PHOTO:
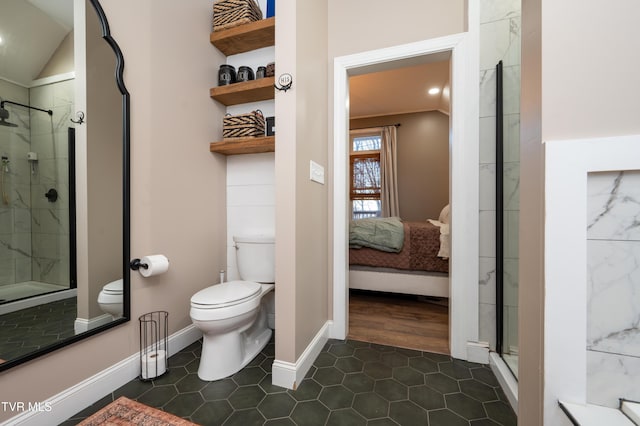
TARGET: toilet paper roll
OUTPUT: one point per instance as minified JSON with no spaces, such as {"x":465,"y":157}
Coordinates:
{"x":154,"y":364}
{"x":156,"y":264}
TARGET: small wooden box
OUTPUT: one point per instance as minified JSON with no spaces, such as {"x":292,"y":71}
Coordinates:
{"x":243,"y":125}
{"x":231,"y":13}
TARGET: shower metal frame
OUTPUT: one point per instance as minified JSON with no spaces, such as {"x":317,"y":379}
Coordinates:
{"x":48,"y":111}
{"x":499,"y":212}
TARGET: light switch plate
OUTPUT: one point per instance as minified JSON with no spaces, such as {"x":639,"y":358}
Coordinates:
{"x":316,"y":172}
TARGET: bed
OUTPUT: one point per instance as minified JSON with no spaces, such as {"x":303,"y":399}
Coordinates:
{"x":418,"y":265}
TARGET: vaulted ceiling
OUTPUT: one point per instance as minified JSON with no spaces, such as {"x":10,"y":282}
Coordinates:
{"x":31,"y":31}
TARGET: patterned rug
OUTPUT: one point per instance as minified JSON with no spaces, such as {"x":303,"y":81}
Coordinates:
{"x":124,"y":411}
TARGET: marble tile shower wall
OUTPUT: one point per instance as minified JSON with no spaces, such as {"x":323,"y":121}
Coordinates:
{"x":15,"y":217}
{"x":499,"y":40}
{"x":613,"y":287}
{"x":34,"y":233}
{"x":50,"y":221}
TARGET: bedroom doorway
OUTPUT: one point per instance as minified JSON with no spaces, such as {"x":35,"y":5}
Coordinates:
{"x":463,"y":192}
{"x":412,"y":103}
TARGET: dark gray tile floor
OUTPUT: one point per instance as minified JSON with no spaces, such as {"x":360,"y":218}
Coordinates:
{"x":26,"y":330}
{"x":350,"y":383}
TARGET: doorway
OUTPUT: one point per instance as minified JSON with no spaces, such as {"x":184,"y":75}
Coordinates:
{"x":463,"y":185}
{"x":413,"y":104}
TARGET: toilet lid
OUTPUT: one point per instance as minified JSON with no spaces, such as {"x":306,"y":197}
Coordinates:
{"x":225,"y":294}
{"x":114,"y":287}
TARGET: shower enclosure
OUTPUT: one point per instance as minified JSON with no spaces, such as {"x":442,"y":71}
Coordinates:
{"x":507,"y":220}
{"x":36,"y":229}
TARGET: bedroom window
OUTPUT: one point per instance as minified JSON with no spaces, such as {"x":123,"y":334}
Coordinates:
{"x":364,"y":157}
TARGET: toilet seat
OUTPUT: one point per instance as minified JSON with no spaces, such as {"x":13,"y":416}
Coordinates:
{"x":226,"y":294}
{"x":111,"y":293}
{"x":113,"y":288}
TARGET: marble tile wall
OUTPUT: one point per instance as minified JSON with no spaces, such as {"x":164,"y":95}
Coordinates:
{"x":15,"y":215}
{"x":50,"y":221}
{"x":34,"y":234}
{"x":613,"y":292}
{"x":499,"y":40}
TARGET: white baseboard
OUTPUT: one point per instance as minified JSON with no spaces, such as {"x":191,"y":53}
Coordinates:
{"x":289,"y":375}
{"x":478,"y":352}
{"x":80,"y":396}
{"x":81,"y":324}
{"x":505,"y":378}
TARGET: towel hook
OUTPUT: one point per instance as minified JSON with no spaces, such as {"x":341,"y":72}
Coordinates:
{"x":80,"y":119}
{"x":285,"y":81}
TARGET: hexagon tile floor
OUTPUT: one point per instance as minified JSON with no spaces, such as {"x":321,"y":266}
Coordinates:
{"x":350,"y":383}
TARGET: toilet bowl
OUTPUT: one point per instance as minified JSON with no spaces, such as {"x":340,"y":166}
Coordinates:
{"x":110,"y":299}
{"x":233,"y":315}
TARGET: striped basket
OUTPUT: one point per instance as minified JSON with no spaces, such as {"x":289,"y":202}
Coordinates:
{"x":231,"y":13}
{"x":243,"y":125}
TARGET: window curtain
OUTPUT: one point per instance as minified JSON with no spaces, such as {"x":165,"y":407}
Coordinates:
{"x":389,"y":173}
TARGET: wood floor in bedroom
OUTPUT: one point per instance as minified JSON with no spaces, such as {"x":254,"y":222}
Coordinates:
{"x":403,"y":321}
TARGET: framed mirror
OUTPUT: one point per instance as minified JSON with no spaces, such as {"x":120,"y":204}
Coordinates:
{"x":64,"y":177}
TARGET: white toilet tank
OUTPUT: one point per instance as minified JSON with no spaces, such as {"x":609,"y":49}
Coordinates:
{"x":255,"y":255}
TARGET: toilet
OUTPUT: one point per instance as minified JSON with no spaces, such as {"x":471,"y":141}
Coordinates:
{"x":110,"y":299}
{"x":233,"y":316}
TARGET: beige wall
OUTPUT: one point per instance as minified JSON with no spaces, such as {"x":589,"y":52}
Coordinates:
{"x":531,"y":242}
{"x":301,"y":205}
{"x":312,"y":236}
{"x":104,"y":168}
{"x":361,"y":25}
{"x":589,"y":72}
{"x":177,"y":192}
{"x":423,"y":161}
{"x":577,"y":82}
{"x":61,"y":61}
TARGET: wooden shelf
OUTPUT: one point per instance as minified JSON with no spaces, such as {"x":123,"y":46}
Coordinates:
{"x":247,"y":91}
{"x":246,"y":37}
{"x":244,"y":145}
{"x":240,"y":39}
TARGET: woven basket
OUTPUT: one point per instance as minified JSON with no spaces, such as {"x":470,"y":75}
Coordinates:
{"x":231,"y":13}
{"x":243,"y":125}
{"x":271,"y":69}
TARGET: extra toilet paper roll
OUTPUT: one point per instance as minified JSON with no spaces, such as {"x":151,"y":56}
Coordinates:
{"x":154,"y":364}
{"x":156,"y":264}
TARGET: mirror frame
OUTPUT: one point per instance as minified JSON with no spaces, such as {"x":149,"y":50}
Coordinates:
{"x":126,"y":208}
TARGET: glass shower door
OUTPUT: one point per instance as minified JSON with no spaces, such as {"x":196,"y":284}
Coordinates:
{"x":507,"y":222}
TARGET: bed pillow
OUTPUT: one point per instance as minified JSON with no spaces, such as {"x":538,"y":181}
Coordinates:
{"x":444,"y":214}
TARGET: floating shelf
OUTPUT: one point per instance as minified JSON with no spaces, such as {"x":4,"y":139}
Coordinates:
{"x":247,"y":91}
{"x":244,"y":145}
{"x":246,"y":37}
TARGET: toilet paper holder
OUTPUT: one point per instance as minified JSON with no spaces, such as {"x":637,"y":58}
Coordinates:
{"x":151,"y":265}
{"x":154,"y":345}
{"x":136,"y":264}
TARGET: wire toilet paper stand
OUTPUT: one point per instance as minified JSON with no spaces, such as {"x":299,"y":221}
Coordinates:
{"x":154,"y":352}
